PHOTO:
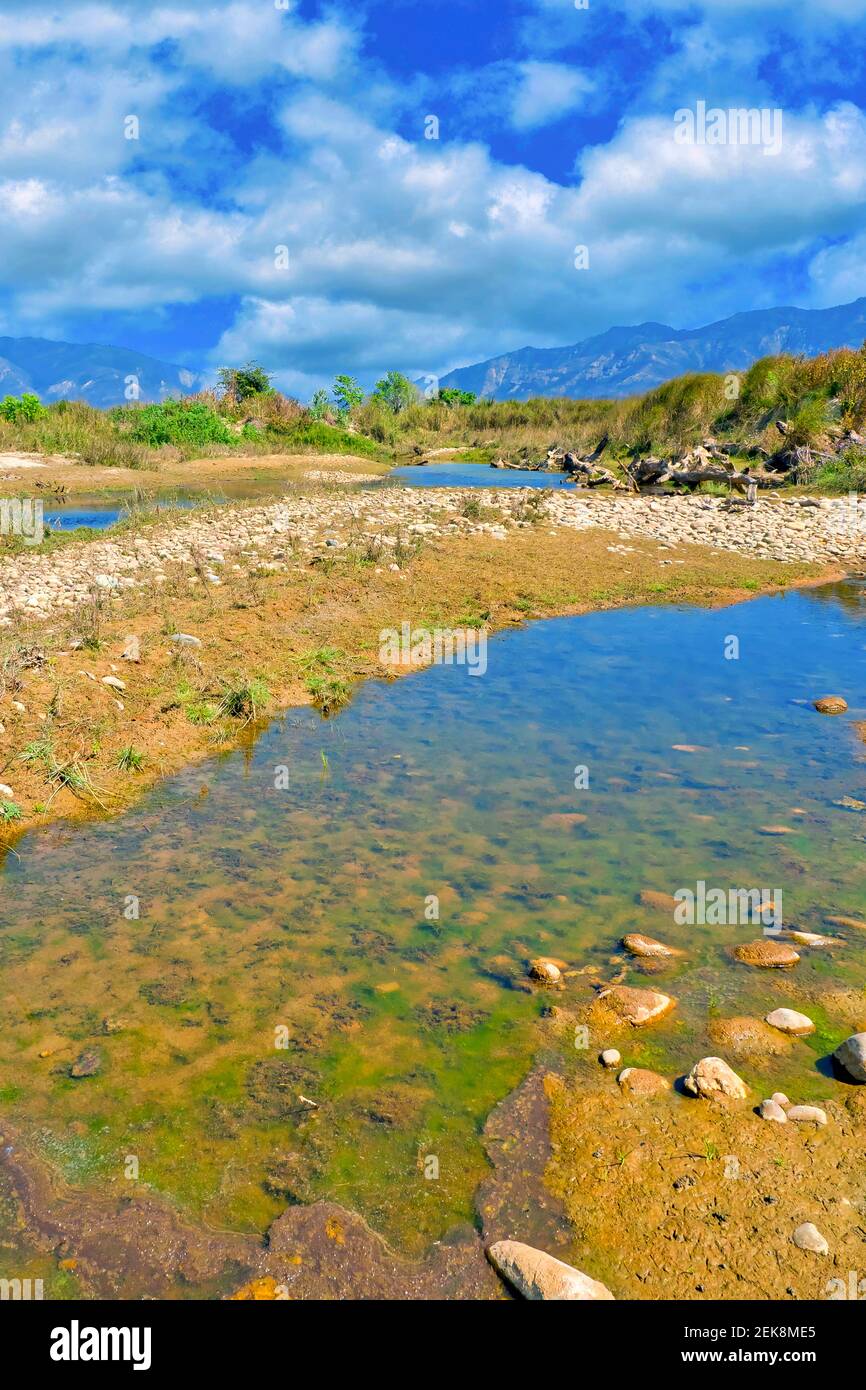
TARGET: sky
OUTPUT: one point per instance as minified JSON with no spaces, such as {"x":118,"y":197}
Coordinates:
{"x":420,"y":184}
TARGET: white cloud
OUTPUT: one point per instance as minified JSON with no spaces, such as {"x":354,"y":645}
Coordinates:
{"x":547,"y":91}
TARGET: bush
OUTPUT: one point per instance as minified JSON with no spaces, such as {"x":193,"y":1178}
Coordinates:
{"x":240,"y":383}
{"x":175,"y":422}
{"x":22,"y":410}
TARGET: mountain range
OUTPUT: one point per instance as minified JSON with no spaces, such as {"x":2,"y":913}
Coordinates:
{"x":619,"y":362}
{"x":88,"y":372}
{"x":627,"y":361}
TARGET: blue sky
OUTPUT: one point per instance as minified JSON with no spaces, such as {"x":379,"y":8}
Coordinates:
{"x":281,"y":200}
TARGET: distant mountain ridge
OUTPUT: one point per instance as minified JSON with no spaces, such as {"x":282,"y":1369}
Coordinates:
{"x":88,"y":372}
{"x":627,"y":361}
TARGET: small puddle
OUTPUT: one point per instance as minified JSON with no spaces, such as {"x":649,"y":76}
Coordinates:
{"x":457,"y":474}
{"x":315,"y":965}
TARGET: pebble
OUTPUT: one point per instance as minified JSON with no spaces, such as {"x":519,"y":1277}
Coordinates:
{"x":6,"y":790}
{"x":610,"y":1057}
{"x":781,"y":1099}
{"x":712,"y":1077}
{"x":114,"y":682}
{"x":545,"y":970}
{"x":831,"y":704}
{"x":772,"y":1110}
{"x":808,"y":1237}
{"x":639,"y":945}
{"x":185,"y":639}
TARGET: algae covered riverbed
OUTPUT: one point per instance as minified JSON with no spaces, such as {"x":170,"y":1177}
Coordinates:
{"x":299,"y":969}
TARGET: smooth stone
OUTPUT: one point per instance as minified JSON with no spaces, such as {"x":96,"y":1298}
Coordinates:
{"x":539,"y":1276}
{"x":781,"y":1099}
{"x":808,"y":1237}
{"x":639,"y":1082}
{"x":114,"y":682}
{"x":809,"y":938}
{"x":807,"y":1115}
{"x":789,"y":1021}
{"x":831,"y":704}
{"x":185,"y":639}
{"x":747,"y":1039}
{"x":640,"y":945}
{"x":636,"y":1006}
{"x":851,"y":1055}
{"x":663,"y":902}
{"x":545,"y":970}
{"x":772,"y":1110}
{"x":6,"y":790}
{"x":766,"y":954}
{"x":713,"y":1077}
{"x":856,"y":923}
{"x":610,"y":1057}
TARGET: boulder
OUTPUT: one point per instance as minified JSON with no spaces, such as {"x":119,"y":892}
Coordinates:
{"x":712,"y":1077}
{"x":639,"y":945}
{"x":831,"y":704}
{"x":638,"y":1082}
{"x":789,"y":1021}
{"x":851,"y":1056}
{"x":538,"y":1276}
{"x":766,"y":954}
{"x":636,"y":1006}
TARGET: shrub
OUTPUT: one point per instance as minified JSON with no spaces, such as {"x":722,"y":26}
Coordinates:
{"x":22,"y":410}
{"x":240,"y":383}
{"x":184,"y":422}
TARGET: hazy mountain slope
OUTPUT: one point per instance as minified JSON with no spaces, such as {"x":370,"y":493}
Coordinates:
{"x":624,"y":361}
{"x":87,"y":372}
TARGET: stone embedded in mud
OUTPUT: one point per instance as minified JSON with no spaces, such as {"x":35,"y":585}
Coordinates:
{"x":851,"y":1055}
{"x":766,"y":954}
{"x":772,"y":1110}
{"x":747,"y":1039}
{"x":610,"y":1057}
{"x":639,"y":1082}
{"x":808,"y":1237}
{"x":539,"y":1276}
{"x":545,"y":970}
{"x":856,"y":923}
{"x":712,"y":1077}
{"x":88,"y":1063}
{"x":647,"y":946}
{"x":662,"y":902}
{"x":636,"y":1006}
{"x":807,"y":1115}
{"x":831,"y":704}
{"x":809,"y":938}
{"x":789,"y":1021}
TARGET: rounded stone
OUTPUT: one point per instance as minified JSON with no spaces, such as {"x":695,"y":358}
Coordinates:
{"x":610,"y":1057}
{"x":851,"y":1056}
{"x":639,"y":1082}
{"x":831,"y":704}
{"x":766,"y":954}
{"x":545,"y":970}
{"x":808,"y":1237}
{"x":789,"y":1021}
{"x":712,"y":1077}
{"x":636,"y":1006}
{"x":639,"y":945}
{"x":807,"y":1115}
{"x":772,"y":1110}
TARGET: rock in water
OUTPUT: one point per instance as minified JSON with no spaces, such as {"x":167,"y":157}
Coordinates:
{"x":662,"y":902}
{"x":545,"y":970}
{"x":640,"y":945}
{"x":851,"y":1054}
{"x":766,"y":954}
{"x":831,"y":704}
{"x":636,"y":1006}
{"x":712,"y":1077}
{"x":808,"y":1237}
{"x":789,"y":1021}
{"x":537,"y":1276}
{"x":638,"y":1082}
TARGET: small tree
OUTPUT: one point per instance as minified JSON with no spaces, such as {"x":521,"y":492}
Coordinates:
{"x":239,"y":383}
{"x":347,"y":393}
{"x":452,"y":395}
{"x":395,"y":391}
{"x":319,"y":404}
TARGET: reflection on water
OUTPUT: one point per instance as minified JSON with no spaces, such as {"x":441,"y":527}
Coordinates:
{"x":456,"y":474}
{"x":286,"y":1015}
{"x":98,"y":511}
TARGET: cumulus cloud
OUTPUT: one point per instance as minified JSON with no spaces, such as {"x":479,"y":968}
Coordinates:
{"x":547,"y":91}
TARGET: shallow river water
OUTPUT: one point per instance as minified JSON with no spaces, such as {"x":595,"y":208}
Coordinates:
{"x":259,"y":946}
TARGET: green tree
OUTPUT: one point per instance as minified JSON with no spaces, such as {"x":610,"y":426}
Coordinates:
{"x":347,"y":393}
{"x":452,"y":395}
{"x":395,"y":391}
{"x":239,"y":383}
{"x":23,"y":410}
{"x":319,"y":404}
